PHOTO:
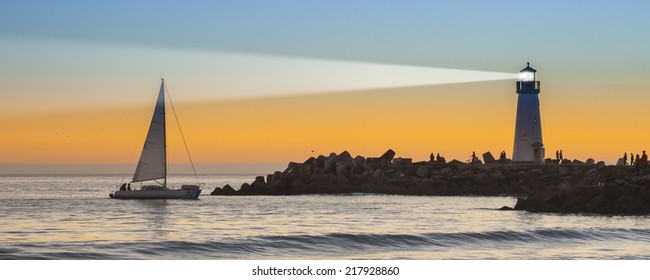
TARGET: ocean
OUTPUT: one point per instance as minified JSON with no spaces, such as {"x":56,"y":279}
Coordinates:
{"x":72,"y":217}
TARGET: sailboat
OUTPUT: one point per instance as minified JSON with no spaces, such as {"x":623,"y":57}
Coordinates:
{"x":152,"y":165}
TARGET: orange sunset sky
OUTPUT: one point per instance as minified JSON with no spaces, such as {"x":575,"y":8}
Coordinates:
{"x":453,"y":120}
{"x":82,"y":94}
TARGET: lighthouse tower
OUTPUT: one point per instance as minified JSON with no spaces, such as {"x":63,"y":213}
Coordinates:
{"x":529,"y":147}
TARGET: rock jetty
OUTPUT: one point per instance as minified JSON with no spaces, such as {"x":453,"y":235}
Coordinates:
{"x":607,"y":190}
{"x":341,"y":173}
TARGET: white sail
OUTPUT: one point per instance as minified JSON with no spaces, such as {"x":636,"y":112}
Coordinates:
{"x":153,"y":160}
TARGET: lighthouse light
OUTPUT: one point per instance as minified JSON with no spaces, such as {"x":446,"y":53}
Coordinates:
{"x":527,"y":76}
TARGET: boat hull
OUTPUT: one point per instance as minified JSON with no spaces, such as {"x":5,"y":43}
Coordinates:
{"x":157,"y":194}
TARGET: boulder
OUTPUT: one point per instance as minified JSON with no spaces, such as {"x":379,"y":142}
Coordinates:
{"x":388,"y":155}
{"x":378,"y":175}
{"x":340,"y":169}
{"x":310,"y":160}
{"x":245,"y":187}
{"x":590,"y":161}
{"x":293,"y":167}
{"x":536,"y":172}
{"x":601,"y":204}
{"x":297,"y":183}
{"x":217,"y":191}
{"x":227,"y":190}
{"x":563,"y":170}
{"x":320,"y":161}
{"x":456,"y":163}
{"x":545,"y":201}
{"x":356,"y":180}
{"x":423,"y":172}
{"x":488,"y":158}
{"x":613,"y":191}
{"x":582,"y":192}
{"x":498,"y":175}
{"x":632,"y":205}
{"x":521,"y":204}
{"x":620,"y":182}
{"x":259,"y":182}
{"x":632,"y":190}
{"x":329,"y":164}
{"x":360,"y":161}
{"x":342,"y":181}
{"x":577,"y":197}
{"x":345,"y":155}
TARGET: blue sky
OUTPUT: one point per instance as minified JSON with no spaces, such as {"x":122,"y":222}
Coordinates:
{"x":482,"y":35}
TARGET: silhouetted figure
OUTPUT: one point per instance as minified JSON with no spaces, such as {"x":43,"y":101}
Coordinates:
{"x":561,"y":156}
{"x":637,"y":166}
{"x":644,"y":164}
{"x":502,"y":157}
{"x":474,"y":158}
{"x":437,"y":156}
{"x":631,"y":159}
{"x":432,"y":158}
{"x":624,"y":158}
{"x":557,"y":155}
{"x":128,"y":187}
{"x":123,"y":187}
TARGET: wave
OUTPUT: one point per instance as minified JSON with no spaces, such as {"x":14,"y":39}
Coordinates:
{"x":335,"y":244}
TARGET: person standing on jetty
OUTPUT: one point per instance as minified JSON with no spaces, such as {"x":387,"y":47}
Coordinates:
{"x":637,"y":164}
{"x":624,"y":158}
{"x":631,"y":159}
{"x":644,"y":163}
{"x":557,"y":156}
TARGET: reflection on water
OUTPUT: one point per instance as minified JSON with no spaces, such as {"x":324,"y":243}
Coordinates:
{"x":71,"y":217}
{"x":155,"y":221}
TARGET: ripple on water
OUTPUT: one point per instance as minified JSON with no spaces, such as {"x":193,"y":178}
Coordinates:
{"x":71,"y":218}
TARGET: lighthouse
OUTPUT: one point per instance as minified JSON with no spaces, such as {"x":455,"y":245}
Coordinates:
{"x":528,"y":147}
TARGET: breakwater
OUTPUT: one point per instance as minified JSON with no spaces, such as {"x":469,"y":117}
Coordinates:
{"x":567,"y":186}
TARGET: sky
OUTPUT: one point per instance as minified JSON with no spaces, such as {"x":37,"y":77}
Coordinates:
{"x":257,"y":84}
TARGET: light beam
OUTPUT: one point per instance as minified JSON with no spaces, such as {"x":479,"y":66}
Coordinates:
{"x":73,"y":75}
{"x":255,"y":76}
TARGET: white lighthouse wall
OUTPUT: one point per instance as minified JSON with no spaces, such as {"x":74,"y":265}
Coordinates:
{"x":528,"y":128}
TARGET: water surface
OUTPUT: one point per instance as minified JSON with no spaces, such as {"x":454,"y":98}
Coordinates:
{"x":71,"y":217}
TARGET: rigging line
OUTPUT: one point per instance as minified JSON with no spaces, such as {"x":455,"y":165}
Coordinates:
{"x":181,"y":131}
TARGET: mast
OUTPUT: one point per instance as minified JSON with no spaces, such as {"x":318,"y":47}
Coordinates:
{"x":162,"y":90}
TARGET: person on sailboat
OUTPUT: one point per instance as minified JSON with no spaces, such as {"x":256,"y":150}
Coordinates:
{"x":123,"y":187}
{"x":128,"y":187}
